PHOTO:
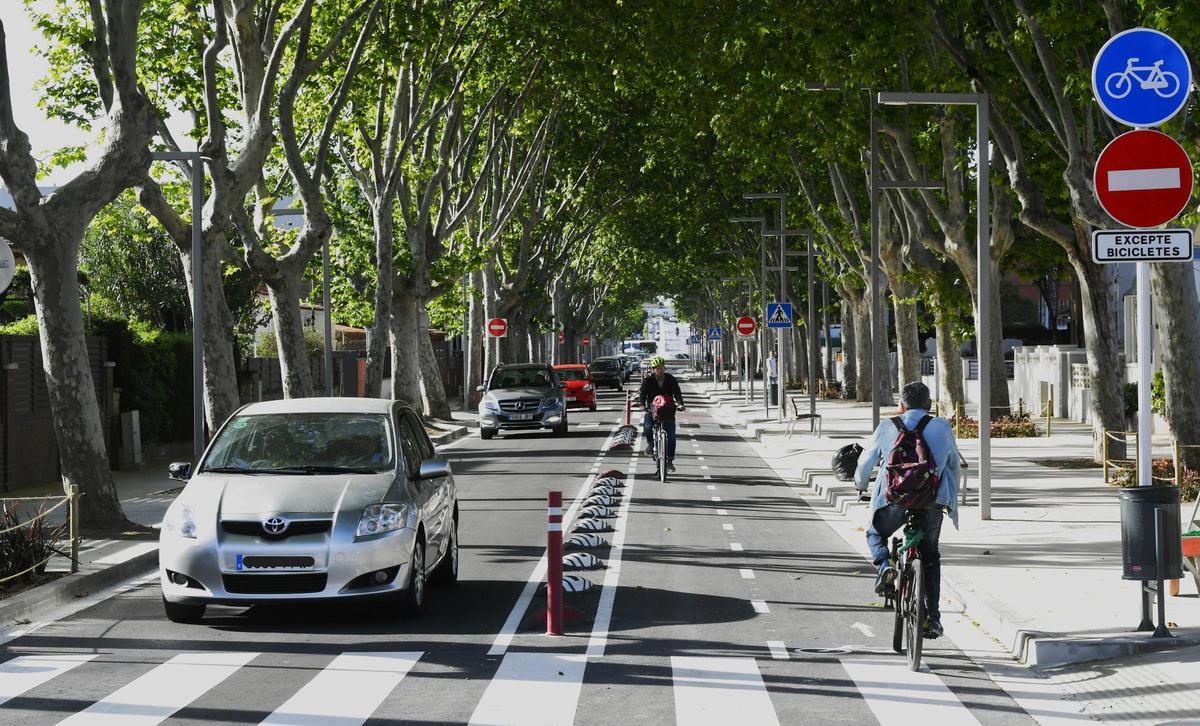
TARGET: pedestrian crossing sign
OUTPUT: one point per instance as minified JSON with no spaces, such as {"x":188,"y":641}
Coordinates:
{"x":693,"y":340}
{"x":779,"y":315}
{"x":714,"y":333}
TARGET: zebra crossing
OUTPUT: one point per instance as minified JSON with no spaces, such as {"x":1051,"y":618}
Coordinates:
{"x":527,"y":688}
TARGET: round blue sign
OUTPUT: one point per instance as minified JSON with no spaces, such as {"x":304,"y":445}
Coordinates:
{"x":1141,"y":77}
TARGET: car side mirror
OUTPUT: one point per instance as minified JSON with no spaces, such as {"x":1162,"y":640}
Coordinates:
{"x":481,"y":389}
{"x":563,"y":384}
{"x":435,"y":467}
{"x":180,"y":471}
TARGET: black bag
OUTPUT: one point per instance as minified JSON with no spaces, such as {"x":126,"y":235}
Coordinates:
{"x":845,"y":461}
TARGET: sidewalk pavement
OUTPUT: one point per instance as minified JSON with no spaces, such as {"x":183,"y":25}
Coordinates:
{"x":1042,"y":576}
{"x":145,"y":495}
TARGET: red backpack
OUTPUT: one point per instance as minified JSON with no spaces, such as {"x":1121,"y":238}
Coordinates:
{"x":912,"y":477}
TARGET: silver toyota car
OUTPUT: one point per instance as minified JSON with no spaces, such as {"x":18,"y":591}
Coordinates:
{"x":311,"y":498}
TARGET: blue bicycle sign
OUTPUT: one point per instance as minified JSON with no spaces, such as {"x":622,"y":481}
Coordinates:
{"x":1141,"y":77}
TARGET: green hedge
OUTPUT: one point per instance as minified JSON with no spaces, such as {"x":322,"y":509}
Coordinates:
{"x":154,"y":374}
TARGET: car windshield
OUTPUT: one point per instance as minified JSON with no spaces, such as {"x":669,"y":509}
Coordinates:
{"x":303,"y":443}
{"x":604,"y":365}
{"x":571,"y":374}
{"x":522,"y":378}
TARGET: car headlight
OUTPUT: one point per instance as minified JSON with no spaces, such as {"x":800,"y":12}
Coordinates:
{"x":380,"y":518}
{"x":491,"y":404}
{"x":587,"y":387}
{"x":551,"y":402}
{"x":181,"y":521}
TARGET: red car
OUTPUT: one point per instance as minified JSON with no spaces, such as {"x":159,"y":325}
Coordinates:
{"x":581,"y":392}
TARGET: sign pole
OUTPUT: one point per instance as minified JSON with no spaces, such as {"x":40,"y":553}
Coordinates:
{"x":1144,"y":353}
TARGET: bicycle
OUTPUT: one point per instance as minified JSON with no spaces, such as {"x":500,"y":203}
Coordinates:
{"x":1119,"y":84}
{"x":660,"y":450}
{"x":908,"y":597}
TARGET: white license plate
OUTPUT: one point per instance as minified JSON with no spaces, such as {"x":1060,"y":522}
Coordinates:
{"x":570,"y":398}
{"x":522,"y":416}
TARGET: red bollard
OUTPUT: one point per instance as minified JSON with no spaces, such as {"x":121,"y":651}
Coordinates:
{"x":554,"y":594}
{"x":628,"y":409}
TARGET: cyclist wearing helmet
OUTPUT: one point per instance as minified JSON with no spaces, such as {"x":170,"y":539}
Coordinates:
{"x":659,"y":383}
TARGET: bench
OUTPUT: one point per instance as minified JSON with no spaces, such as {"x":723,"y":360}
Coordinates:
{"x":814,"y":419}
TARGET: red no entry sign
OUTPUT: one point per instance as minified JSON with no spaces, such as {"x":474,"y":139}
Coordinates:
{"x":746,"y":325}
{"x":1143,"y":179}
{"x":497,"y":327}
{"x":587,"y":340}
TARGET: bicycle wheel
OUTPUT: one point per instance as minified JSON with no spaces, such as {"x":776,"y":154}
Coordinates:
{"x":661,"y":449}
{"x":898,"y":604}
{"x":1118,"y":85}
{"x":915,"y":615}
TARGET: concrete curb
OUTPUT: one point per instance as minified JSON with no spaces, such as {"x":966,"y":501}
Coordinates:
{"x":72,"y":587}
{"x":1036,"y":649}
{"x":453,"y":434}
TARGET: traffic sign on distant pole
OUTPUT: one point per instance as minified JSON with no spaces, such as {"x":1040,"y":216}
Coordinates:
{"x":1143,"y":179}
{"x":746,"y":325}
{"x":497,"y":327}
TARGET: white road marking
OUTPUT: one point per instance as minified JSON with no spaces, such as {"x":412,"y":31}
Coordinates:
{"x":722,"y":513}
{"x":26,"y":672}
{"x":612,"y":575}
{"x":505,"y":636}
{"x":707,"y":476}
{"x":760,"y":606}
{"x":347,"y":691}
{"x":1136,"y":180}
{"x":712,"y":487}
{"x":699,"y":458}
{"x":778,"y":650}
{"x":897,"y":695}
{"x":864,"y":629}
{"x":703,"y":467}
{"x":720,"y":690}
{"x":727,"y":526}
{"x":153,"y":697}
{"x":736,"y":546}
{"x":127,"y":553}
{"x":715,"y":499}
{"x":747,"y":574}
{"x":532,"y":688}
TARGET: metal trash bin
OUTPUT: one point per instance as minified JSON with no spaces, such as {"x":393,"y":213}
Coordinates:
{"x":1137,"y":533}
{"x":774,"y":388}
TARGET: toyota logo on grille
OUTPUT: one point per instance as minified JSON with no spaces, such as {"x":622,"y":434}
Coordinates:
{"x":519,"y":405}
{"x":275,"y":525}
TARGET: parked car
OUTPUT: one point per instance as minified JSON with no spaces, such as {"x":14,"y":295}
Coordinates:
{"x":678,"y":362}
{"x":520,"y":398}
{"x":609,"y":371}
{"x":310,"y":498}
{"x":580,"y":389}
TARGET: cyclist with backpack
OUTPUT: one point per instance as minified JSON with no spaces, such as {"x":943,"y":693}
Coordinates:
{"x":921,"y":469}
{"x":660,"y":384}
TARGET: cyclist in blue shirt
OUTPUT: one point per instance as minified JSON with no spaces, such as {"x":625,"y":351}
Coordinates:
{"x":886,"y":518}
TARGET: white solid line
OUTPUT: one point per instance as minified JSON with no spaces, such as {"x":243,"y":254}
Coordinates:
{"x":727,"y":526}
{"x":897,"y":695}
{"x":532,"y":688}
{"x":778,"y":650}
{"x":612,"y":575}
{"x":747,"y":574}
{"x":760,"y":606}
{"x":347,"y":691}
{"x":736,"y":546}
{"x":167,"y":688}
{"x":1135,"y":180}
{"x":505,"y":636}
{"x":720,"y":690}
{"x":127,"y":553}
{"x":26,"y":672}
{"x":722,"y":513}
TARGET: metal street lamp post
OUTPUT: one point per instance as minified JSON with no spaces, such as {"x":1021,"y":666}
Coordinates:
{"x":197,"y":184}
{"x":983,"y":255}
{"x":762,"y":293}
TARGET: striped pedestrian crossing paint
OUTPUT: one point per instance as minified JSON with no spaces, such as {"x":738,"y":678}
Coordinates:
{"x":27,"y":672}
{"x":153,"y":697}
{"x":720,"y":690}
{"x":347,"y":691}
{"x":897,"y":695}
{"x":532,"y":689}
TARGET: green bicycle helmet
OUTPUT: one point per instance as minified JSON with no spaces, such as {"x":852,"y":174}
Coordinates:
{"x":657,"y":361}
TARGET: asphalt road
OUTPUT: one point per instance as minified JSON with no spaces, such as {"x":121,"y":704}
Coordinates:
{"x":725,"y":599}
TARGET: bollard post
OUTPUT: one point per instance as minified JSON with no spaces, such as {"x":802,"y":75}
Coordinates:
{"x":73,"y":493}
{"x":1021,"y":407}
{"x":554,"y":594}
{"x":1104,"y":452}
{"x":1160,"y":595}
{"x":1049,"y":410}
{"x":1178,"y":477}
{"x":628,"y":408}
